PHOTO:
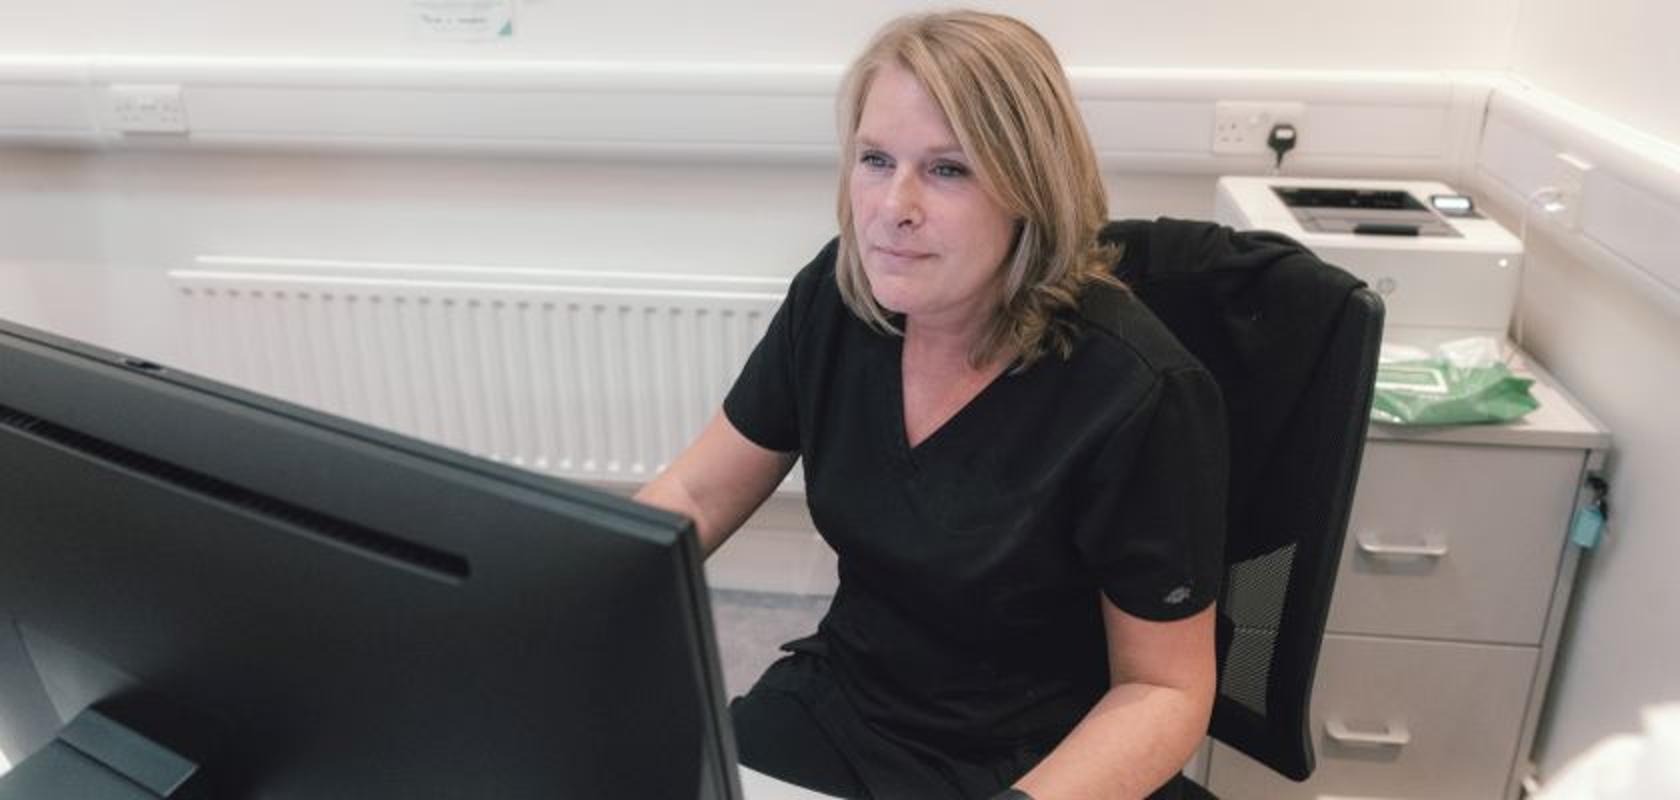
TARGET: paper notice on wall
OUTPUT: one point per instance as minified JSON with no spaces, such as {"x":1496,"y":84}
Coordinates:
{"x":462,"y":20}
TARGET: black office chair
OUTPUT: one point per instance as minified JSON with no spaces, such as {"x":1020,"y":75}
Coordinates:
{"x":1292,"y":342}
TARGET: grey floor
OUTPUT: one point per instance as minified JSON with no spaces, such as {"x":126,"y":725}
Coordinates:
{"x":751,"y":625}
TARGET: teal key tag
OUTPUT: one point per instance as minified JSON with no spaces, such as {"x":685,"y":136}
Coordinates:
{"x":1588,"y":528}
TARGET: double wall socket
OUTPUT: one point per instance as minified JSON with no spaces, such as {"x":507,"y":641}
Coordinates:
{"x":1240,"y":127}
{"x":146,"y":108}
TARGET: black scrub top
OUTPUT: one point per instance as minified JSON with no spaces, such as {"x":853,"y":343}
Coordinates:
{"x":967,"y":617}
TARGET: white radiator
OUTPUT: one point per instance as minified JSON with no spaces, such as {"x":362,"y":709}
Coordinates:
{"x":596,"y":376}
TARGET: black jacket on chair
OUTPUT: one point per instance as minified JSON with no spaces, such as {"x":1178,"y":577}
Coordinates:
{"x":1292,"y":342}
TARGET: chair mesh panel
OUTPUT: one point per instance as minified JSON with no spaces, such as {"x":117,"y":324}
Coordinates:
{"x":1254,"y":593}
{"x":1247,"y":668}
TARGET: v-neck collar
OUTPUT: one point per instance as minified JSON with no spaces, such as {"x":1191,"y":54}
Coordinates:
{"x":892,"y":364}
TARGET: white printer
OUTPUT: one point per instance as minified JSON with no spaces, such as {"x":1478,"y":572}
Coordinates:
{"x":1444,"y":270}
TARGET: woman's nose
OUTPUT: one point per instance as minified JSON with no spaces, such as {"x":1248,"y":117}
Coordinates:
{"x":903,"y":202}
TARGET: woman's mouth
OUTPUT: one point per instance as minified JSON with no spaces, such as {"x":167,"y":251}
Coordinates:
{"x":901,"y":255}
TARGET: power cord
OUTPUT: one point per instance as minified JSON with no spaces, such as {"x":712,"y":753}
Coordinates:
{"x":1551,"y":199}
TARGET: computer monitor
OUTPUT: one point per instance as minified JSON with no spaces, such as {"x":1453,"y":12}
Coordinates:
{"x":300,"y":606}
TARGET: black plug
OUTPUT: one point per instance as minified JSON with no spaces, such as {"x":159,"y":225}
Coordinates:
{"x":1281,"y":140}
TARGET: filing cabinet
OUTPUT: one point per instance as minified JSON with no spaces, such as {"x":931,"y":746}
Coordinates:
{"x":1454,"y":580}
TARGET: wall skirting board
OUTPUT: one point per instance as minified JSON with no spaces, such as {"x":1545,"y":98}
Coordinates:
{"x":1485,"y":130}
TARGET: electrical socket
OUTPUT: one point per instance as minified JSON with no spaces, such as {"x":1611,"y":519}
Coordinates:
{"x":1569,"y":178}
{"x":146,"y":108}
{"x":1240,"y":127}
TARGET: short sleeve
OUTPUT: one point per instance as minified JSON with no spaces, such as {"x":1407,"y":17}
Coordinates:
{"x":763,"y":402}
{"x":1154,"y":531}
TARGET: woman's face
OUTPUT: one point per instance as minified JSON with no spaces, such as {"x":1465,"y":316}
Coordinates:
{"x":931,"y":239}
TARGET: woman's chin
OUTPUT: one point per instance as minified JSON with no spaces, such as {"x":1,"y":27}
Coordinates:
{"x":881,"y":287}
{"x":891,"y":308}
{"x":889,"y":297}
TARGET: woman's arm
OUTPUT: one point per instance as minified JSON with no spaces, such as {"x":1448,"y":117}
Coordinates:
{"x":718,"y":481}
{"x":1161,"y":685}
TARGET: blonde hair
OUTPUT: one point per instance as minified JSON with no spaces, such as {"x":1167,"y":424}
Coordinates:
{"x":1007,"y":99}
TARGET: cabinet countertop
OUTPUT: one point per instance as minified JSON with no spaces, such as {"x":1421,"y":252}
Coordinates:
{"x":1560,"y":421}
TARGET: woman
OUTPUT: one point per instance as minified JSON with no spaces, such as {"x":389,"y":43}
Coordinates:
{"x":1022,"y":473}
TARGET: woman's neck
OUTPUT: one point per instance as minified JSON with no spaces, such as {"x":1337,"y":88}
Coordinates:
{"x":947,"y":348}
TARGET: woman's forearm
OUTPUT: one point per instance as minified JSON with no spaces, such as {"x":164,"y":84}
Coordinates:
{"x":718,"y":481}
{"x":668,"y":492}
{"x":1127,"y":746}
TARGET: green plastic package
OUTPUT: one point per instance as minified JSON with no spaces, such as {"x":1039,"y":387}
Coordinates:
{"x":1463,"y":382}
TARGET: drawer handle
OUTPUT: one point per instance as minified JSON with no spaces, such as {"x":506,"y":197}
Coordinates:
{"x":1394,"y":734}
{"x":1369,"y":545}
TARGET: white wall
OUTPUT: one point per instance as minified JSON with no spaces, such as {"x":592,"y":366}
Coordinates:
{"x":1621,"y":356}
{"x":114,"y":219}
{"x":85,"y":237}
{"x":51,"y":241}
{"x":110,"y":222}
{"x":121,"y":219}
{"x":1616,"y":56}
{"x":1419,"y":34}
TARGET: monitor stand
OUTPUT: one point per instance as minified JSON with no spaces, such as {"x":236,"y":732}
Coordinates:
{"x":99,"y":757}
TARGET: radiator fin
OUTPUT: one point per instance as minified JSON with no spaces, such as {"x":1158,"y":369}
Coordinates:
{"x":548,"y":370}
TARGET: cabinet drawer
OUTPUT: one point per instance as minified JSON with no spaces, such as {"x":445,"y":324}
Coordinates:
{"x":1401,"y":719}
{"x":1455,"y":541}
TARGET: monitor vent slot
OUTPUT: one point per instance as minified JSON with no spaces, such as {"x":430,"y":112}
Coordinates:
{"x":427,"y":561}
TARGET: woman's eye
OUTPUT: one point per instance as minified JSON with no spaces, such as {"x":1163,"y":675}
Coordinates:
{"x":874,"y":160}
{"x":948,"y":170}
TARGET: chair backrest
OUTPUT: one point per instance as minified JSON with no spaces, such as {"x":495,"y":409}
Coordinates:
{"x":1292,"y":342}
